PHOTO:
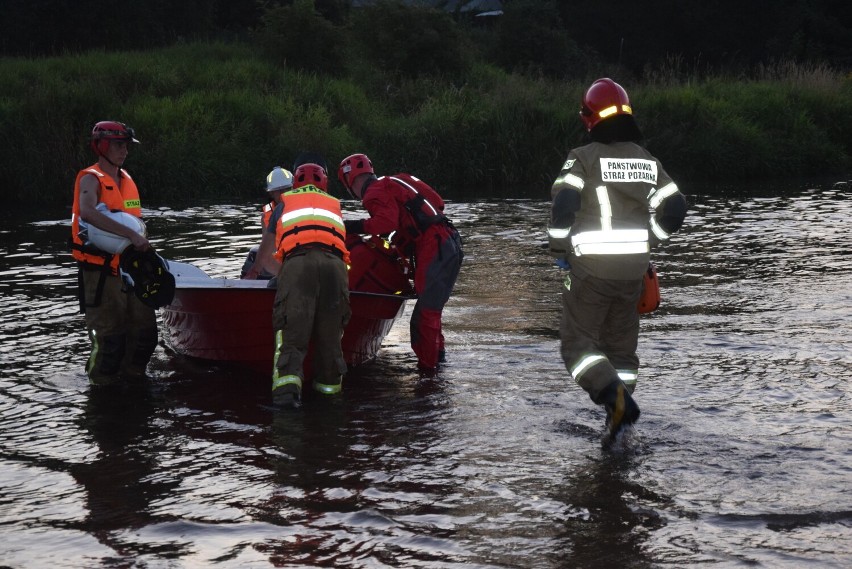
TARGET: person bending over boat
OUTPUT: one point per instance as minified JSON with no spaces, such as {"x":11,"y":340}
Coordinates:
{"x":264,"y":262}
{"x":278,"y":181}
{"x":122,"y":329}
{"x":311,"y":304}
{"x":601,"y":231}
{"x":413,"y":212}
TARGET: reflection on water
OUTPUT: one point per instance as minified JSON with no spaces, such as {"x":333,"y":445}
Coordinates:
{"x":741,"y":457}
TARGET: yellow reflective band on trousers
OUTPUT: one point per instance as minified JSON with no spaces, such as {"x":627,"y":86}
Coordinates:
{"x":285,"y":380}
{"x":584,"y":364}
{"x":93,"y":357}
{"x":557,"y":233}
{"x":328,"y":389}
{"x":281,"y":380}
{"x":628,"y":376}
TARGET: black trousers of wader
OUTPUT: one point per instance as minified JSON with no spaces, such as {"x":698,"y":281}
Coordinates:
{"x":312,"y":308}
{"x":599,"y":330}
{"x":122,"y":330}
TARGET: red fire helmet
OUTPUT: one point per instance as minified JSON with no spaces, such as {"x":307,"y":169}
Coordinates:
{"x":604,"y":99}
{"x":353,"y":166}
{"x":104,"y":131}
{"x":310,"y":174}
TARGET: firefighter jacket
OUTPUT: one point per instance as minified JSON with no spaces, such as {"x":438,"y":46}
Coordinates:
{"x":611,"y":204}
{"x":124,"y":198}
{"x":310,"y":219}
{"x":405,"y":206}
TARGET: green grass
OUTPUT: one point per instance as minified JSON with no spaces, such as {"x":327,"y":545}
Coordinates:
{"x":214,"y":118}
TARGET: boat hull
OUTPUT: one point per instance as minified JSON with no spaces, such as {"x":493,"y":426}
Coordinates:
{"x":232,"y":324}
{"x":230,"y":320}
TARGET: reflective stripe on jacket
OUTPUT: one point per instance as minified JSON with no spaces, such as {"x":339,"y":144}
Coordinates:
{"x":123,"y":198}
{"x":311,"y":217}
{"x":620,"y":187}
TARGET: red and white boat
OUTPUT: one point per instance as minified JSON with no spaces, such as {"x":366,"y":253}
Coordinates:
{"x":229,"y":321}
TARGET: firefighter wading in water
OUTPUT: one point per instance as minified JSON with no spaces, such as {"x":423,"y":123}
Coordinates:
{"x":612,"y":203}
{"x":312,"y":298}
{"x":122,"y":329}
{"x":413,"y":212}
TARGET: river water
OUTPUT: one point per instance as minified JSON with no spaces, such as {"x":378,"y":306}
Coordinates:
{"x":742,"y":456}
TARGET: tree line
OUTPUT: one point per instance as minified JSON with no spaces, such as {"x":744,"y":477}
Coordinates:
{"x":562,"y":39}
{"x":222,"y":90}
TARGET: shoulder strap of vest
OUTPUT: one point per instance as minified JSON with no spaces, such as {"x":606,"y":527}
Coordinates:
{"x":415,"y":208}
{"x":299,"y":228}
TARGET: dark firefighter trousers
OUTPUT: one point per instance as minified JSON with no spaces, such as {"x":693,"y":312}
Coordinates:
{"x":312,"y":308}
{"x":600,"y":331}
{"x":122,"y":330}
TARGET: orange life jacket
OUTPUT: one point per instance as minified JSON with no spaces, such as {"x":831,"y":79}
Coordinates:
{"x":125,"y":198}
{"x":266,"y":215}
{"x":311,"y":218}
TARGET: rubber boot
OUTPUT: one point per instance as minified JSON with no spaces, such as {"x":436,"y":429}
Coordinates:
{"x":621,"y":409}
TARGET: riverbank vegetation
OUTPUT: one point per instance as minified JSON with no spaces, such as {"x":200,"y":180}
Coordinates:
{"x":446,"y":104}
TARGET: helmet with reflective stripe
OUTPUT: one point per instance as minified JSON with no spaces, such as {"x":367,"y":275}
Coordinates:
{"x":604,"y":99}
{"x":104,"y":131}
{"x":279,"y":179}
{"x":312,"y":174}
{"x":353,"y":166}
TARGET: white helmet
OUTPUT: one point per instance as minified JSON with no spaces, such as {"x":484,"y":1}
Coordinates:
{"x":279,"y":179}
{"x":110,"y":242}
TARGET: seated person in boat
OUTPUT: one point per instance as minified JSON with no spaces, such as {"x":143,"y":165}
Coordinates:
{"x":261,"y":262}
{"x":278,"y":181}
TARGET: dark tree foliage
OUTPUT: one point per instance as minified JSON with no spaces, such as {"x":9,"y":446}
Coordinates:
{"x":410,"y":40}
{"x":531,"y":38}
{"x":50,"y":27}
{"x":544,"y":37}
{"x":722,"y":34}
{"x":298,"y":36}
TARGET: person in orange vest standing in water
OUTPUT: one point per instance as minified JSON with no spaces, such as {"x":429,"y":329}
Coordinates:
{"x":311,"y":304}
{"x":105,"y":221}
{"x":601,"y":230}
{"x":413,"y":212}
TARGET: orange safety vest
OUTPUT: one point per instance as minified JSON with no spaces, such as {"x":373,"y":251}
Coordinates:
{"x":125,"y":198}
{"x":266,"y":215}
{"x":310,"y":218}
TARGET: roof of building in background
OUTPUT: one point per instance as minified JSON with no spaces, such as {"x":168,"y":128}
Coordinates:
{"x":478,"y":7}
{"x":482,"y":7}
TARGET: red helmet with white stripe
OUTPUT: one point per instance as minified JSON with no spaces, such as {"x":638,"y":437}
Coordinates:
{"x":604,"y":99}
{"x":353,"y":166}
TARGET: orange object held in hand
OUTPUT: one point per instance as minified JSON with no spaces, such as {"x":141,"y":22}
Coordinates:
{"x":649,"y":301}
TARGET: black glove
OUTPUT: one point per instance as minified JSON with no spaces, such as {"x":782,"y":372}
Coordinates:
{"x":353,"y":226}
